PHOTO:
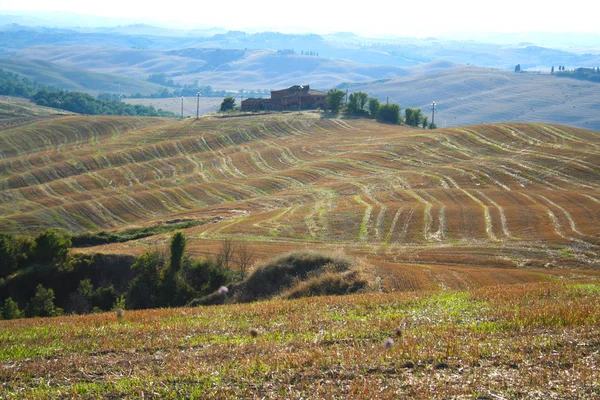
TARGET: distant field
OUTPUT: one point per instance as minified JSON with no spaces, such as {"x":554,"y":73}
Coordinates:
{"x":452,"y":208}
{"x":76,"y":79}
{"x":472,"y":95}
{"x":208,"y":105}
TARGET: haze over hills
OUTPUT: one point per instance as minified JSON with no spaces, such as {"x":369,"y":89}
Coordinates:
{"x":399,"y":52}
{"x":220,"y":68}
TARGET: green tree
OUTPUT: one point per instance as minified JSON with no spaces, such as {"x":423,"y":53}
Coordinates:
{"x":227,"y":104}
{"x":389,"y":113}
{"x":413,"y":116}
{"x":145,"y":286}
{"x":374,"y":106}
{"x":518,"y":68}
{"x":11,"y":309}
{"x":42,"y":304}
{"x":424,"y":122}
{"x":8,"y":255}
{"x":178,"y":242}
{"x":357,"y":103}
{"x":335,"y":100}
{"x":408,"y":116}
{"x":51,"y":246}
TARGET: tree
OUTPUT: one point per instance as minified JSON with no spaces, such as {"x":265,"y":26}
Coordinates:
{"x":413,"y":116}
{"x":424,"y":122}
{"x":244,"y":258}
{"x":228,"y":104}
{"x":357,"y":103}
{"x":8,"y":255}
{"x":518,"y":68}
{"x":374,"y":106}
{"x":552,"y":70}
{"x":178,"y":242}
{"x":145,"y":287}
{"x":389,"y":113}
{"x":11,"y":309}
{"x":42,"y":304}
{"x":335,"y":100}
{"x":225,"y":253}
{"x":51,"y":246}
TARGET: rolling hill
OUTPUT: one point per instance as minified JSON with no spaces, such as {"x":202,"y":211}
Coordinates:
{"x":222,"y":69}
{"x":457,"y":207}
{"x":468,"y":95}
{"x":75,"y":79}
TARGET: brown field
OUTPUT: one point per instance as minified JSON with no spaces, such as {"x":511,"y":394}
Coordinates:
{"x":450,"y":208}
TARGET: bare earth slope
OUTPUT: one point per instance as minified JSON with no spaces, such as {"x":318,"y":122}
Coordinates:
{"x":467,"y":200}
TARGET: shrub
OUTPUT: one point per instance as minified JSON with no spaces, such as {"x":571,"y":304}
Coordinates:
{"x":327,"y":284}
{"x":11,"y":309}
{"x":284,"y":271}
{"x":42,"y":304}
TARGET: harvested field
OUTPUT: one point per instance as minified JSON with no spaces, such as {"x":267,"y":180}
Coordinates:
{"x":526,"y":341}
{"x":457,"y":201}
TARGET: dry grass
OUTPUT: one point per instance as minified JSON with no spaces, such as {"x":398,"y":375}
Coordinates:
{"x":528,"y":341}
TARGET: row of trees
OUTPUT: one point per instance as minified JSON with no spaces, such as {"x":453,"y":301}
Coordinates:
{"x":360,"y":104}
{"x":83,"y":103}
{"x":40,"y":278}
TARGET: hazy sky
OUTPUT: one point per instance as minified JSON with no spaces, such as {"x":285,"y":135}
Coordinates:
{"x":377,"y":17}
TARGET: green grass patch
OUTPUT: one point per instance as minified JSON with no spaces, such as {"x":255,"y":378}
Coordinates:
{"x":105,"y":237}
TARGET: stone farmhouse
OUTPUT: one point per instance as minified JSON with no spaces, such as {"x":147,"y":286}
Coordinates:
{"x":297,"y":97}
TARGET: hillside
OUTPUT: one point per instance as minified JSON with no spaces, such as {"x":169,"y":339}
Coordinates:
{"x":76,"y":79}
{"x":223,"y":69}
{"x":471,"y":95}
{"x":465,"y":200}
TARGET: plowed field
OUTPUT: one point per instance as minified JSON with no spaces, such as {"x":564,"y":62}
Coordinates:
{"x":454,"y":208}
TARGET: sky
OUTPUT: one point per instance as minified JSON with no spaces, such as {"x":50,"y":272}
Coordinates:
{"x":378,"y":18}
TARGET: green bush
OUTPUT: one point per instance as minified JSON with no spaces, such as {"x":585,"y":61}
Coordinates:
{"x":11,"y":309}
{"x":51,"y":246}
{"x":389,"y":113}
{"x":42,"y":304}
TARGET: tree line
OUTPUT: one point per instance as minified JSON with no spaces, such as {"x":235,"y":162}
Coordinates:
{"x":40,"y":277}
{"x":12,"y":84}
{"x":360,"y":104}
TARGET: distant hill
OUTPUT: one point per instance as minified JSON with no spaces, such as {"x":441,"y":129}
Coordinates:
{"x":470,"y":95}
{"x":72,"y":78}
{"x":398,"y":52}
{"x":221,"y":68}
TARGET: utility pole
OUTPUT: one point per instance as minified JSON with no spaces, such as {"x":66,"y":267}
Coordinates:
{"x":198,"y":105}
{"x":181,"y":107}
{"x":387,"y":100}
{"x":433,"y":113}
